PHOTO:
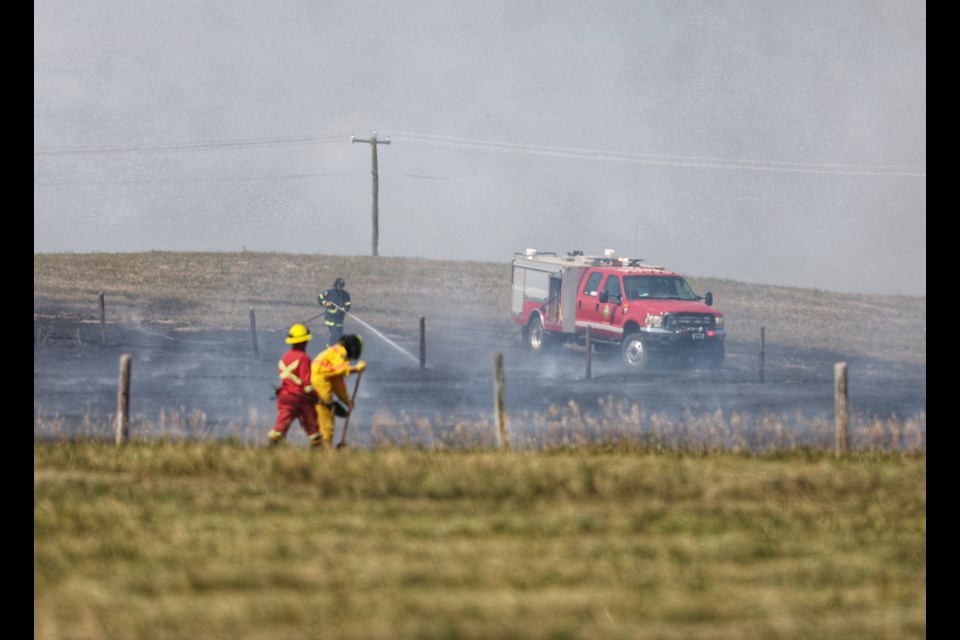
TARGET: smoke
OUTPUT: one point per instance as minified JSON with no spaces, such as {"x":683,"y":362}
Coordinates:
{"x":782,"y":144}
{"x":210,"y":385}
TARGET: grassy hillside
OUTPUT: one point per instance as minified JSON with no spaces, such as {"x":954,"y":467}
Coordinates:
{"x":219,"y":289}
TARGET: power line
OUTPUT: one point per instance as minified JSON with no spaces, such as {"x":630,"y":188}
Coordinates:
{"x":702,"y":162}
{"x":191,"y":146}
{"x":675,"y":160}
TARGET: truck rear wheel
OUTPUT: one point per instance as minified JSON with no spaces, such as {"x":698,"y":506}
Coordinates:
{"x":635,"y":354}
{"x":536,"y":337}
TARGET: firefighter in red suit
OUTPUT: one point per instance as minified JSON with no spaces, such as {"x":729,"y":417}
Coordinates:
{"x":296,"y":398}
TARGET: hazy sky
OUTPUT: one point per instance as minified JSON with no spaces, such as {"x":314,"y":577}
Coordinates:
{"x":776,"y":142}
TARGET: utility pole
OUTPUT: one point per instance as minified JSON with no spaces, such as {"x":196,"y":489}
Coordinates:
{"x":373,"y":142}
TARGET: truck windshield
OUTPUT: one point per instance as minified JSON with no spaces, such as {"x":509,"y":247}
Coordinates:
{"x":663,"y":287}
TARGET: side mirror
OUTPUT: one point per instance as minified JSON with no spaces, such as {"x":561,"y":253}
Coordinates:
{"x":708,"y":299}
{"x":604,"y":296}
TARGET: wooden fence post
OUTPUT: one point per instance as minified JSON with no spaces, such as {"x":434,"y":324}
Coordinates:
{"x":423,"y":343}
{"x":103,"y":321}
{"x":762,"y":347}
{"x":841,"y":417}
{"x":503,"y":440}
{"x":123,"y":401}
{"x":253,"y":334}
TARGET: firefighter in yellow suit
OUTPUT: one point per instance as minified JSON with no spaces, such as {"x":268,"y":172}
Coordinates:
{"x":328,"y":374}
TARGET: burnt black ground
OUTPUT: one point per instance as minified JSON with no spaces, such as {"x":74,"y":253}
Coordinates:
{"x":218,"y":374}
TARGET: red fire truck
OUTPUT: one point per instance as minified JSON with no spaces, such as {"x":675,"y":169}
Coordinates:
{"x":648,"y":313}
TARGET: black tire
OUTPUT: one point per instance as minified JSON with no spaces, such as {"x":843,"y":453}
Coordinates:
{"x":536,"y":337}
{"x":634,"y":351}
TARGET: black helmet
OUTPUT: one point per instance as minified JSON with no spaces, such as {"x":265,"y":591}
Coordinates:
{"x":339,"y":283}
{"x":353,"y":343}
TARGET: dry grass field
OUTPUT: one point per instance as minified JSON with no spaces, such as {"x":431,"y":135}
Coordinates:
{"x":188,"y":540}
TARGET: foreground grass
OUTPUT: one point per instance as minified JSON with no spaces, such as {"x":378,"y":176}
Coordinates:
{"x":192,"y":539}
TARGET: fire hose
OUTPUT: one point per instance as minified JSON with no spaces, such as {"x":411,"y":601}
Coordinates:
{"x":319,"y":315}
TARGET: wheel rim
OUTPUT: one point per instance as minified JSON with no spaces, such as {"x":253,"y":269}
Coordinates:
{"x":634,"y":353}
{"x":536,"y":335}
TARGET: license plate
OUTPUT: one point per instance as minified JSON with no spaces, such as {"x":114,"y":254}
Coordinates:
{"x":696,"y":336}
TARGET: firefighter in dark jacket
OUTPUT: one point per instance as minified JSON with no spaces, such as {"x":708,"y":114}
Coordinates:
{"x":296,"y":397}
{"x":336,"y":304}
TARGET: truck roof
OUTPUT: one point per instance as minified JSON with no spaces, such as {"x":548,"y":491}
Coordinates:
{"x":579,"y":259}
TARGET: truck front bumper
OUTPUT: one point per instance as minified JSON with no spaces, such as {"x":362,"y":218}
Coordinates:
{"x":682,"y":341}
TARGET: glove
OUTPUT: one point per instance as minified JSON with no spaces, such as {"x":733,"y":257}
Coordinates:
{"x":360,"y":366}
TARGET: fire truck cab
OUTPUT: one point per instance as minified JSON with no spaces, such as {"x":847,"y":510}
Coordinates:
{"x":649,"y":313}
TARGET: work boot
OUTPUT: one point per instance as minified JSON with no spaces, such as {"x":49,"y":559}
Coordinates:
{"x":274,"y":437}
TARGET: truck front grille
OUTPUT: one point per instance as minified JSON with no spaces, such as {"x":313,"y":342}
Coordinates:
{"x":677,"y":321}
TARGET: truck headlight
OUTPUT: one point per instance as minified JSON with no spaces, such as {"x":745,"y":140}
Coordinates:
{"x":654,"y":321}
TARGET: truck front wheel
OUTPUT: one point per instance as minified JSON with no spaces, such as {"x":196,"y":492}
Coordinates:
{"x":635,"y":354}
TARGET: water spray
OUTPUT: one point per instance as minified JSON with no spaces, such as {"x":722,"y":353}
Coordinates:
{"x":369,"y":326}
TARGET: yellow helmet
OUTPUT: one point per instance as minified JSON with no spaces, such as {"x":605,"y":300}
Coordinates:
{"x":298,"y":333}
